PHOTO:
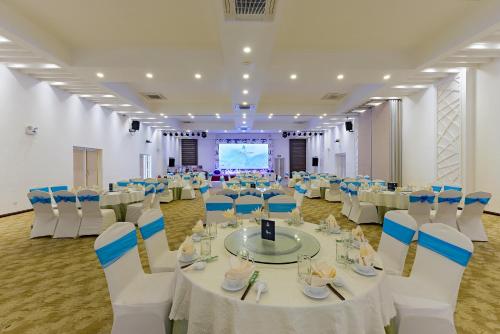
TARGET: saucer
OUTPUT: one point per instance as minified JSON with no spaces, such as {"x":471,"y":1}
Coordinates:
{"x":364,"y":272}
{"x":186,"y":259}
{"x":226,"y":287}
{"x":338,"y":281}
{"x":335,"y":231}
{"x":196,"y":237}
{"x":306,"y":290}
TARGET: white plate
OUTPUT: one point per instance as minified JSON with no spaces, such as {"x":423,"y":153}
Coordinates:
{"x":232,"y":289}
{"x":187,"y":259}
{"x":362,"y":272}
{"x":338,"y":281}
{"x":309,"y":294}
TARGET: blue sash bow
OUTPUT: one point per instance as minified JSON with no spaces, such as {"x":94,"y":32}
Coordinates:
{"x":57,"y":188}
{"x":398,"y":231}
{"x":218,"y":206}
{"x":353,"y":192}
{"x":452,"y":188}
{"x":446,"y":249}
{"x":422,"y":199}
{"x":282,"y":207}
{"x":300,"y":190}
{"x":472,"y":200}
{"x":247,"y":208}
{"x":269,"y":195}
{"x":436,"y":188}
{"x":44,"y":189}
{"x":203,"y":189}
{"x":160,"y":190}
{"x":88,"y":198}
{"x":148,"y":230}
{"x":71,"y":199}
{"x":41,"y":200}
{"x":149,"y":192}
{"x":122,"y":184}
{"x":449,"y":200}
{"x":113,"y":251}
{"x":334,"y":181}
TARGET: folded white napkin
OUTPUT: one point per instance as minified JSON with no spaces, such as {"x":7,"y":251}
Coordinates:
{"x":322,"y":274}
{"x":229,"y":214}
{"x":358,"y":234}
{"x":187,"y":247}
{"x":295,"y":213}
{"x":332,"y":222}
{"x":198,"y":228}
{"x":366,"y":254}
{"x":239,"y":269}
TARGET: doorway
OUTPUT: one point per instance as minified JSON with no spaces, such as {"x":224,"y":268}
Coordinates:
{"x":87,"y":167}
{"x":297,"y":155}
{"x":340,"y":164}
{"x":146,"y":170}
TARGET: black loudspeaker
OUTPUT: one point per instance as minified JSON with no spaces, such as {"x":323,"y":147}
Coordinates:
{"x":348,"y":126}
{"x":110,"y":187}
{"x":135,"y":125}
{"x":391,"y":186}
{"x":171,"y":162}
{"x":315,"y":162}
{"x":203,"y":134}
{"x":284,"y":134}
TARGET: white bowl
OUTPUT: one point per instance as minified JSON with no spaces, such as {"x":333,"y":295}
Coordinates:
{"x":233,"y":283}
{"x":316,"y":290}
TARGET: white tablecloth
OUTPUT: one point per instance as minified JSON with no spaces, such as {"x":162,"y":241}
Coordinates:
{"x":116,"y":197}
{"x":389,"y":199}
{"x":198,"y":297}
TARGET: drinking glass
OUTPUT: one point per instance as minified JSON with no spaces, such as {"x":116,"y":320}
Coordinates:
{"x":341,"y":251}
{"x":212,"y":230}
{"x":205,"y":247}
{"x":303,"y":267}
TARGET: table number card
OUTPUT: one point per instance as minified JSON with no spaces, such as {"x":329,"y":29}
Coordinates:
{"x":268,"y":231}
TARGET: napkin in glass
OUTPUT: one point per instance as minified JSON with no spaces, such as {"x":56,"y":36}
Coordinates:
{"x":239,"y":269}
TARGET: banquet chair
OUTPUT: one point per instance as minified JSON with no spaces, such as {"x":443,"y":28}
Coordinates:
{"x":251,"y":192}
{"x":361,"y":212}
{"x":229,"y":193}
{"x":155,"y":203}
{"x":446,"y":212}
{"x":152,"y":228}
{"x":397,"y":233}
{"x":94,"y":219}
{"x":244,"y":205}
{"x":332,"y":194}
{"x":69,"y":216}
{"x":216,"y":206}
{"x":187,"y":192}
{"x":346,"y":200}
{"x":313,"y":190}
{"x":166,"y":196}
{"x":281,"y":206}
{"x":141,"y":302}
{"x":425,"y":301}
{"x":135,"y":210}
{"x":204,"y":190}
{"x":57,"y":188}
{"x":436,"y":188}
{"x":469,"y":220}
{"x":298,"y":194}
{"x":452,"y":187}
{"x":419,"y":207}
{"x":45,"y":221}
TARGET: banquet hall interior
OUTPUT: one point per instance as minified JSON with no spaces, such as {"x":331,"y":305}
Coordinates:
{"x":249,"y":166}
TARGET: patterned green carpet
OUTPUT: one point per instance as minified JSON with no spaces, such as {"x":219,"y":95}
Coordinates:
{"x":57,"y":286}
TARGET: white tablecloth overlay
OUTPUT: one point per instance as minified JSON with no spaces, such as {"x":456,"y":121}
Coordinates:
{"x":116,"y":197}
{"x":198,"y":297}
{"x":390,"y":199}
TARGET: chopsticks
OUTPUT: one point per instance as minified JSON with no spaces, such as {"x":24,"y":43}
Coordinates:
{"x":251,"y":281}
{"x":335,"y":291}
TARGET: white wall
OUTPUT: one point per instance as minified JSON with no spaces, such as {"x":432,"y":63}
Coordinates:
{"x":347,"y":143}
{"x":381,"y":142}
{"x":64,"y":121}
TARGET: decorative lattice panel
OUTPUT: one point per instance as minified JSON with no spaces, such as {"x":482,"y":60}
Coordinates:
{"x":449,"y":131}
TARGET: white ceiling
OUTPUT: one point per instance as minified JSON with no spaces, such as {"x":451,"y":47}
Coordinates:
{"x":316,"y":40}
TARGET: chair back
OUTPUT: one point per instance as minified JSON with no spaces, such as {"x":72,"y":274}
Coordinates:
{"x":474,"y":204}
{"x":452,"y":187}
{"x":89,"y":201}
{"x":335,"y":184}
{"x":271,"y":193}
{"x":446,"y":213}
{"x":397,"y":233}
{"x":346,"y":199}
{"x":116,"y":249}
{"x":149,"y":194}
{"x":215,"y":207}
{"x":66,"y":204}
{"x":42,"y":203}
{"x":353,"y":193}
{"x":442,"y":255}
{"x":281,"y":206}
{"x":152,"y":228}
{"x":229,"y":193}
{"x":123,"y":183}
{"x":204,"y":190}
{"x":420,"y":203}
{"x":251,"y":192}
{"x":57,"y":188}
{"x":160,"y":189}
{"x":244,"y":205}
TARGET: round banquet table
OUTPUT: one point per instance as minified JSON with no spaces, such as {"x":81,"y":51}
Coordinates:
{"x":118,"y":201}
{"x":199,"y":298}
{"x":388,"y":199}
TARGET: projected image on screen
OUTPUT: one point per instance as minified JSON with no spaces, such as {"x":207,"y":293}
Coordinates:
{"x":243,"y":156}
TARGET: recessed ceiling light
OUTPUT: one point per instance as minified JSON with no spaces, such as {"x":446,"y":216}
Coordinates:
{"x":165,"y":116}
{"x":57,"y":83}
{"x":4,"y":40}
{"x":100,"y":75}
{"x":298,"y":115}
{"x":51,"y":66}
{"x":359,"y":111}
{"x":149,"y":75}
{"x":105,"y":105}
{"x":85,"y":95}
{"x":244,"y":122}
{"x":293,"y":76}
{"x":261,"y":130}
{"x":108,"y":95}
{"x":247,"y":49}
{"x":161,"y":114}
{"x":139,"y":112}
{"x":320,"y":117}
{"x":217,"y":115}
{"x":225,"y":130}
{"x":244,"y":103}
{"x":197,"y":76}
{"x":295,"y":116}
{"x":191,"y":116}
{"x":340,"y":77}
{"x":244,"y":115}
{"x":125,"y":105}
{"x":246,"y":76}
{"x":17,"y":65}
{"x":387,"y":77}
{"x":245,"y":91}
{"x":324,"y":114}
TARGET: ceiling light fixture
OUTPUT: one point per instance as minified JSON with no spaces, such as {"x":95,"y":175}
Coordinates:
{"x":125,"y":105}
{"x":245,"y":91}
{"x":359,"y":111}
{"x":108,"y":95}
{"x":244,"y":122}
{"x":244,"y":115}
{"x":57,"y":83}
{"x":246,"y":76}
{"x":51,"y":66}
{"x":17,"y":65}
{"x":197,"y":76}
{"x":293,"y":76}
{"x":85,"y":95}
{"x":165,"y":116}
{"x":217,"y":115}
{"x":340,"y":76}
{"x":149,"y":75}
{"x":245,"y":103}
{"x":139,"y":112}
{"x":225,"y":131}
{"x":247,"y":49}
{"x":387,"y":77}
{"x":100,"y":75}
{"x":4,"y":40}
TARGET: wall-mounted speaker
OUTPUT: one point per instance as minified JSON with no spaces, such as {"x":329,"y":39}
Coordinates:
{"x":315,"y":161}
{"x":135,"y":125}
{"x":348,"y":126}
{"x":203,"y":134}
{"x":171,"y":162}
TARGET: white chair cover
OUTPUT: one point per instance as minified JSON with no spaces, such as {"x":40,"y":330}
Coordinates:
{"x":446,"y":213}
{"x":45,"y":221}
{"x":281,"y":206}
{"x":135,"y":210}
{"x":419,"y":207}
{"x":69,"y":217}
{"x":299,"y":193}
{"x":215,"y":207}
{"x":332,"y":194}
{"x":429,"y":295}
{"x":160,"y":188}
{"x":141,"y":302}
{"x":397,"y":234}
{"x":188,"y":192}
{"x":229,"y":193}
{"x":152,"y":228}
{"x":94,"y":219}
{"x":205,"y":191}
{"x":361,"y":212}
{"x":244,"y":205}
{"x":346,"y":200}
{"x":313,"y":190}
{"x":469,"y":221}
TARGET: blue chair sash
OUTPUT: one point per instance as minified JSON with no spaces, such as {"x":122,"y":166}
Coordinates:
{"x":472,"y":200}
{"x":446,"y":249}
{"x":59,"y":199}
{"x":122,"y":184}
{"x":45,"y":189}
{"x":149,"y":192}
{"x":41,"y":200}
{"x":422,"y":199}
{"x":113,"y":251}
{"x":247,"y":208}
{"x":139,"y":182}
{"x":148,"y":230}
{"x":57,"y":188}
{"x":398,"y":231}
{"x":218,"y":206}
{"x":449,"y":200}
{"x":353,"y":192}
{"x":233,"y":196}
{"x":344,"y":189}
{"x":436,"y":188}
{"x":160,"y":190}
{"x":282,"y":207}
{"x":334,"y":181}
{"x":452,"y":188}
{"x":243,"y":183}
{"x":300,"y":190}
{"x":203,"y":189}
{"x":269,"y":195}
{"x":88,"y":198}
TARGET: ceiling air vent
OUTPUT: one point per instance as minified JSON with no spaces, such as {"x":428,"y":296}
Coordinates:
{"x":333,"y":96}
{"x":154,"y":96}
{"x":249,"y":10}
